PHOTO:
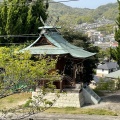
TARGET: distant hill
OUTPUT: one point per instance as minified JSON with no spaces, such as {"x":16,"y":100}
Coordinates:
{"x":109,"y":11}
{"x":80,"y":15}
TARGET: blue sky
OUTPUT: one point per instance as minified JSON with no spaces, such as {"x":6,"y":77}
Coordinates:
{"x":92,"y":4}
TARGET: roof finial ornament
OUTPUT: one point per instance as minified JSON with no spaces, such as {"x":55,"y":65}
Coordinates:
{"x":42,"y":21}
{"x":43,"y":30}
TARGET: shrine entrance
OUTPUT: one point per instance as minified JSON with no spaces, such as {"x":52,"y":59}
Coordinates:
{"x":71,"y":70}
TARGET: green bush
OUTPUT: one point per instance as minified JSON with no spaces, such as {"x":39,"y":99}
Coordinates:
{"x":106,"y":85}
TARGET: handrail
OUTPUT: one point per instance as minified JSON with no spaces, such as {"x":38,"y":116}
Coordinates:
{"x":93,"y":93}
{"x":68,"y":78}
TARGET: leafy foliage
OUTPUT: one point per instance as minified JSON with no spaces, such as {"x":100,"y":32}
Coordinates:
{"x":117,"y":32}
{"x":106,"y":85}
{"x":18,"y":18}
{"x":118,"y":84}
{"x":115,"y":53}
{"x":20,"y":73}
{"x":106,"y":29}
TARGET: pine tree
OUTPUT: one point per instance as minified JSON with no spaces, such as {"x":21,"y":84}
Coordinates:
{"x":3,"y":19}
{"x":117,"y":31}
{"x":115,"y":53}
{"x":20,"y":17}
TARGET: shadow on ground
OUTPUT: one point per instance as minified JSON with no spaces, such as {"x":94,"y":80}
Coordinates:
{"x":111,"y":98}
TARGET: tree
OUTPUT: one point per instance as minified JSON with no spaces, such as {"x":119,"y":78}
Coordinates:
{"x":104,"y":54}
{"x":19,"y":73}
{"x":108,"y":85}
{"x":117,"y":32}
{"x":115,"y":53}
{"x":3,"y":19}
{"x":18,"y":17}
{"x":19,"y":68}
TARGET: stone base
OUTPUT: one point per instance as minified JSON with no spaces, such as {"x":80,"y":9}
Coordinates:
{"x":68,"y":98}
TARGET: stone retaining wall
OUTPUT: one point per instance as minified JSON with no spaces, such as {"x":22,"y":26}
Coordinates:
{"x":69,"y":98}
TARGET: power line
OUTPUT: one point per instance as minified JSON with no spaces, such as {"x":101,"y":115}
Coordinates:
{"x":62,"y":1}
{"x":26,"y":35}
{"x":52,"y":1}
{"x":29,"y":3}
{"x":11,"y":43}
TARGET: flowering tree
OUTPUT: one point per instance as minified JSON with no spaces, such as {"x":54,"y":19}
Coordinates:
{"x":19,"y":73}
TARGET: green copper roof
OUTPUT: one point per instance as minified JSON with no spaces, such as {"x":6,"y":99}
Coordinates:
{"x":58,"y":46}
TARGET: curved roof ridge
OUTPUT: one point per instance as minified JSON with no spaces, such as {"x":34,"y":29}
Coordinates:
{"x":61,"y":45}
{"x":61,"y":41}
{"x":34,"y":42}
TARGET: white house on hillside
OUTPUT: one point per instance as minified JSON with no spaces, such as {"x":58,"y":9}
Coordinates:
{"x":106,"y":68}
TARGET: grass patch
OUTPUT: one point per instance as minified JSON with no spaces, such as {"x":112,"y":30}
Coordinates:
{"x":22,"y":99}
{"x":14,"y":100}
{"x":70,"y":110}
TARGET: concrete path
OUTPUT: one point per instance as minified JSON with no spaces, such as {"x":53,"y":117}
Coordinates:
{"x":47,"y":116}
{"x":71,"y":117}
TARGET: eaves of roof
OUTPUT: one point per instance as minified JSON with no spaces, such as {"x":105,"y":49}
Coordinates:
{"x":60,"y":46}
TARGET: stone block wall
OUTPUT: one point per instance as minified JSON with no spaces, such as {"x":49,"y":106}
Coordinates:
{"x":69,"y":98}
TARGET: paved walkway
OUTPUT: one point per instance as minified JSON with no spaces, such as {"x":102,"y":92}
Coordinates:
{"x":72,"y":117}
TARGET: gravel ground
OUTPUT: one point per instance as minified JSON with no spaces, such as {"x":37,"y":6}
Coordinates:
{"x":72,"y":117}
{"x":54,"y":116}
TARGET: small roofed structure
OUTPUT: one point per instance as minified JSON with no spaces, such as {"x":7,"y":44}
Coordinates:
{"x":113,"y":75}
{"x":69,"y":64}
{"x":106,"y":68}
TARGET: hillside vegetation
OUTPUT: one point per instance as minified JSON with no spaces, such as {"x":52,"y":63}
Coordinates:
{"x":80,"y":15}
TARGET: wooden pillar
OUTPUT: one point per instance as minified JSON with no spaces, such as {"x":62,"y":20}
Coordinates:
{"x":74,"y":74}
{"x":43,"y":83}
{"x":60,"y":85}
